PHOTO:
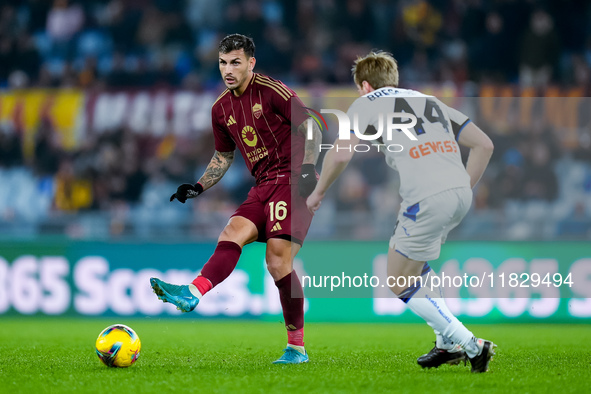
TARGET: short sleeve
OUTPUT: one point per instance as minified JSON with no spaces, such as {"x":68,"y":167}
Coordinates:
{"x":222,"y":140}
{"x":458,"y":121}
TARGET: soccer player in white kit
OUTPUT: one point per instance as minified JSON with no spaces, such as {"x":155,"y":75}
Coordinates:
{"x":435,"y":187}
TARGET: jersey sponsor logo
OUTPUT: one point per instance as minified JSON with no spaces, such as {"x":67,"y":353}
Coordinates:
{"x":231,"y":121}
{"x":257,"y":110}
{"x":427,"y":148}
{"x":257,"y":154}
{"x":276,"y":227}
{"x":249,"y":136}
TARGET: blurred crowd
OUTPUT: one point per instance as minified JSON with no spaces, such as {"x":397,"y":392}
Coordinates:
{"x":123,"y":177}
{"x":536,"y":186}
{"x":119,"y":182}
{"x":147,"y":43}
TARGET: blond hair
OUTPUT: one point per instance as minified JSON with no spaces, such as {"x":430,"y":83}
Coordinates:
{"x":379,"y":69}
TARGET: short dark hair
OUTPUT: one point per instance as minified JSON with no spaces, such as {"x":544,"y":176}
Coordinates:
{"x":237,"y":41}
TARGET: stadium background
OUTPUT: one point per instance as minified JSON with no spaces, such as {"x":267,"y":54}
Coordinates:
{"x":104,"y":110}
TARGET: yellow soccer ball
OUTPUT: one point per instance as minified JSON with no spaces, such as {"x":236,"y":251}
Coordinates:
{"x":118,"y":346}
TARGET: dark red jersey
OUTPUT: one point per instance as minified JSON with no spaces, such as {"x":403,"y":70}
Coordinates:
{"x":259,"y":123}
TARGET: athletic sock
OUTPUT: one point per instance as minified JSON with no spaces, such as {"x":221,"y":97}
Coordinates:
{"x":295,"y":337}
{"x":429,"y":304}
{"x":442,"y":342}
{"x":300,"y":349}
{"x":204,"y":286}
{"x":219,"y":266}
{"x":291,"y":296}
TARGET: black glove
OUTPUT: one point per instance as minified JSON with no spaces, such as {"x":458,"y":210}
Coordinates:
{"x":308,"y":180}
{"x":186,"y":190}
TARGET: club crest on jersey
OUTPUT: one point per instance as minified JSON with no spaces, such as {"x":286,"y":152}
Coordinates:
{"x":257,"y":110}
{"x":249,"y":136}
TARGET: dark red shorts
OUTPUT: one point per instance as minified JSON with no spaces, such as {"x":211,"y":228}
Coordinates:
{"x":277,"y":212}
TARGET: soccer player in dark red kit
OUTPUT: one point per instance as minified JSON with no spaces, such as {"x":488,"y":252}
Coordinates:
{"x":255,"y":114}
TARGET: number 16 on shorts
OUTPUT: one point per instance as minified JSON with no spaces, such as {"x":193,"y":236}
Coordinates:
{"x":277,"y":211}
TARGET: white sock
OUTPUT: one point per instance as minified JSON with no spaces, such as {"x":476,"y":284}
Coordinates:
{"x":298,"y":348}
{"x":429,"y":305}
{"x":193,"y":289}
{"x":443,"y":342}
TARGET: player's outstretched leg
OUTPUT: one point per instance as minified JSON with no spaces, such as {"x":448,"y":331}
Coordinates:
{"x":438,"y":356}
{"x":181,"y":296}
{"x":219,"y":266}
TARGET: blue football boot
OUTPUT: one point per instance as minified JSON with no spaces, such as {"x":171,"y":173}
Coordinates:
{"x":180,"y":296}
{"x":292,"y":356}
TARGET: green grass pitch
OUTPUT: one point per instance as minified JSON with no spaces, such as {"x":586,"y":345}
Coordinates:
{"x":57,"y":355}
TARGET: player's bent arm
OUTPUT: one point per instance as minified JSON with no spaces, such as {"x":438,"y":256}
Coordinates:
{"x":335,"y":162}
{"x":312,"y":147}
{"x":481,"y":149}
{"x":217,"y":167}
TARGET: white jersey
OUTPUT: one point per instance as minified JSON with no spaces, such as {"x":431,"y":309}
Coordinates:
{"x":433,"y":162}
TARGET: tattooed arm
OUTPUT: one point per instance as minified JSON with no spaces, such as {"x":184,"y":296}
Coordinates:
{"x":312,"y":147}
{"x":217,"y":167}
